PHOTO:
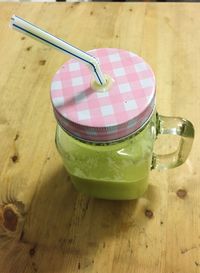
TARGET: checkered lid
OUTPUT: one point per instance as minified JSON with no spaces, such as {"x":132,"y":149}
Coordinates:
{"x":107,"y":115}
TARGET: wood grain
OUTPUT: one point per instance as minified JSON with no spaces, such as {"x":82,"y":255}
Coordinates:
{"x":46,"y":226}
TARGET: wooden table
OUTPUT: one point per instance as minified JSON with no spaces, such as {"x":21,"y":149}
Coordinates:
{"x":45,"y":225}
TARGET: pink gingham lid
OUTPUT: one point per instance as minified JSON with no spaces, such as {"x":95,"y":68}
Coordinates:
{"x":102,"y":116}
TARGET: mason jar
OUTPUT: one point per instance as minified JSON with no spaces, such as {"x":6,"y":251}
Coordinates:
{"x":106,"y":136}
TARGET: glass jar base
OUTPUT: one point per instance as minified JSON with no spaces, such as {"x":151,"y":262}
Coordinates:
{"x":111,"y":190}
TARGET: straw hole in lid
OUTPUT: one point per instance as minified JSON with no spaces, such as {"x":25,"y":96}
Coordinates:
{"x":102,"y":88}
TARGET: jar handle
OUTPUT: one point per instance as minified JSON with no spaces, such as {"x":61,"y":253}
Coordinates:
{"x":174,"y":126}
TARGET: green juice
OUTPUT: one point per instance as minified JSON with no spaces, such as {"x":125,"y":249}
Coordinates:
{"x":114,"y":171}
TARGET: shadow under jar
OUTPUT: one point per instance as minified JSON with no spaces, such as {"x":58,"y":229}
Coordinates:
{"x":106,"y":136}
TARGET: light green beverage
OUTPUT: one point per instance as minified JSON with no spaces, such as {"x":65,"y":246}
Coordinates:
{"x":113,"y":171}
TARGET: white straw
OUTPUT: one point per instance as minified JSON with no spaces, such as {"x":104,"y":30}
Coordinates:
{"x":47,"y":38}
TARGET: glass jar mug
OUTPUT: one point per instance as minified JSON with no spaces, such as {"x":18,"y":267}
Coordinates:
{"x":106,"y":138}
